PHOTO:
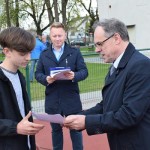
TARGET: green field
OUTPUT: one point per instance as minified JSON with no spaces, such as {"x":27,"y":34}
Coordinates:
{"x":94,"y":82}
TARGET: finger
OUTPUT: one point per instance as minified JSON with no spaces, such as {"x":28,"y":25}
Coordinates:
{"x":69,"y":120}
{"x":28,"y":115}
{"x":38,"y":126}
{"x":33,"y":130}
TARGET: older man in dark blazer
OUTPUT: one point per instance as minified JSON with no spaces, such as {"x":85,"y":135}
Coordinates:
{"x":124,"y":112}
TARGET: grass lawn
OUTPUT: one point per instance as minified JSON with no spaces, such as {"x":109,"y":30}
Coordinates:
{"x":94,"y":82}
{"x":86,"y":49}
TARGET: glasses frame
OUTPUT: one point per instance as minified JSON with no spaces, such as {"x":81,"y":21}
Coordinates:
{"x":98,"y":44}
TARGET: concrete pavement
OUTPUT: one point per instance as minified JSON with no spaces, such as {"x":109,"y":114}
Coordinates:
{"x":88,"y":100}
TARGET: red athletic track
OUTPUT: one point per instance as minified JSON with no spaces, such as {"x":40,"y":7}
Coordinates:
{"x":95,"y":142}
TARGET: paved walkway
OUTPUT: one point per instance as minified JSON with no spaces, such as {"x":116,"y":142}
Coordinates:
{"x":95,"y":142}
{"x":88,"y":100}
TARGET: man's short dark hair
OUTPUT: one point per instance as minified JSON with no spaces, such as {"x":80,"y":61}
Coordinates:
{"x":57,"y":25}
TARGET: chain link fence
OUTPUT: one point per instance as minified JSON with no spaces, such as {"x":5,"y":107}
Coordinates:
{"x":90,"y":88}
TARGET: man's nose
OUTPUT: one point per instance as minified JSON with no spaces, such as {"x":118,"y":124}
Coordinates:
{"x":28,"y":56}
{"x":57,"y":37}
{"x":97,"y":50}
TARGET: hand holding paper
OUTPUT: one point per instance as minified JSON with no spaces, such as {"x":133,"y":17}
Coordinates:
{"x":69,"y":75}
{"x":59,"y":73}
{"x":25,"y":127}
{"x":76,"y":122}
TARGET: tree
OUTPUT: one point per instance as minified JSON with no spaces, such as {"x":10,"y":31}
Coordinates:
{"x":49,"y":11}
{"x":17,"y":12}
{"x":7,"y":4}
{"x":36,"y":10}
{"x":3,"y":17}
{"x":64,"y":15}
{"x":56,"y":10}
{"x":93,"y":14}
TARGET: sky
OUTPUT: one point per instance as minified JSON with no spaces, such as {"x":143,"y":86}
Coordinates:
{"x":94,"y":2}
{"x":94,"y":5}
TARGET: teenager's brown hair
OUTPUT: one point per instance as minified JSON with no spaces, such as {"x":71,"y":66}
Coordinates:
{"x":17,"y":39}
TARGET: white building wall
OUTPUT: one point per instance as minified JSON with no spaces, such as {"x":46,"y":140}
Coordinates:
{"x":134,"y":13}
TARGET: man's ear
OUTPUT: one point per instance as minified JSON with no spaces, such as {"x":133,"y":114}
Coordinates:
{"x":6,"y":51}
{"x":117,"y":38}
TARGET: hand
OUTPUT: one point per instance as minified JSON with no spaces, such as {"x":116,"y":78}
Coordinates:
{"x":69,"y":75}
{"x":76,"y":122}
{"x":25,"y":127}
{"x":49,"y":79}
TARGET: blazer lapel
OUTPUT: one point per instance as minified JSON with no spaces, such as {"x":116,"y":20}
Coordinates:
{"x":51,"y":55}
{"x":110,"y":79}
{"x":127,"y":55}
{"x":66,"y":53}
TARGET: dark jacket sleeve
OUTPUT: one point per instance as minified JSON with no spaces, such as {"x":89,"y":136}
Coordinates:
{"x":97,"y":109}
{"x":8,"y":127}
{"x":135,"y":104}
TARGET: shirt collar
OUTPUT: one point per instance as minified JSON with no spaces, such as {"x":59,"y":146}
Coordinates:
{"x":61,"y":49}
{"x":116,"y":62}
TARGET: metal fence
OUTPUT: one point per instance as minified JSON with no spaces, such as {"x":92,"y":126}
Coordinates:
{"x":90,"y":88}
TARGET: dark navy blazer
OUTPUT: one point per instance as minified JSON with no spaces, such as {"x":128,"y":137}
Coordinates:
{"x":62,"y":96}
{"x":124,"y":112}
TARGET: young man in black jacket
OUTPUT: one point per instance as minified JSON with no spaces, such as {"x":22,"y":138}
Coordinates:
{"x":16,"y":127}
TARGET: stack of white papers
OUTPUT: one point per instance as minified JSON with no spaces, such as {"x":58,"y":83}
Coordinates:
{"x":56,"y":118}
{"x":59,"y":72}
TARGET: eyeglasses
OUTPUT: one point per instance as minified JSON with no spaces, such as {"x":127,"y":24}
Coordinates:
{"x":99,"y":44}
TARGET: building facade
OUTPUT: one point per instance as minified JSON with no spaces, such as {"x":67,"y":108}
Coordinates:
{"x":134,"y":13}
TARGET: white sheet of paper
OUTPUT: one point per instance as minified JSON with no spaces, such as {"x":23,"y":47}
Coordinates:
{"x":58,"y":73}
{"x":56,"y":118}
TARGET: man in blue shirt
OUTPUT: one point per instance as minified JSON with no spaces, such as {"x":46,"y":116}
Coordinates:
{"x":35,"y":54}
{"x":62,"y":95}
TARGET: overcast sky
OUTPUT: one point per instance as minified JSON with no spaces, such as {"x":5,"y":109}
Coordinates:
{"x":94,"y":2}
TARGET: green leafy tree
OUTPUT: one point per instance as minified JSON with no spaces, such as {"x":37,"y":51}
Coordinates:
{"x":35,"y":12}
{"x":93,"y":13}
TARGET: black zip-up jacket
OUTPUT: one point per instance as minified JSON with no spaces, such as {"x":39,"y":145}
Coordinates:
{"x":10,"y":115}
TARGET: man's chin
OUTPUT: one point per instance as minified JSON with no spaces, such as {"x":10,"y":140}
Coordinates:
{"x":106,"y":61}
{"x":23,"y":65}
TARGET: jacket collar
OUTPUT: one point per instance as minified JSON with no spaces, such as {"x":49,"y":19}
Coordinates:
{"x":67,"y":51}
{"x":123,"y":62}
{"x":127,"y":55}
{"x":2,"y":76}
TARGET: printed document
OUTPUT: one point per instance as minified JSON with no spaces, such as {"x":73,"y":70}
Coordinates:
{"x":56,"y":118}
{"x":59,"y":72}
